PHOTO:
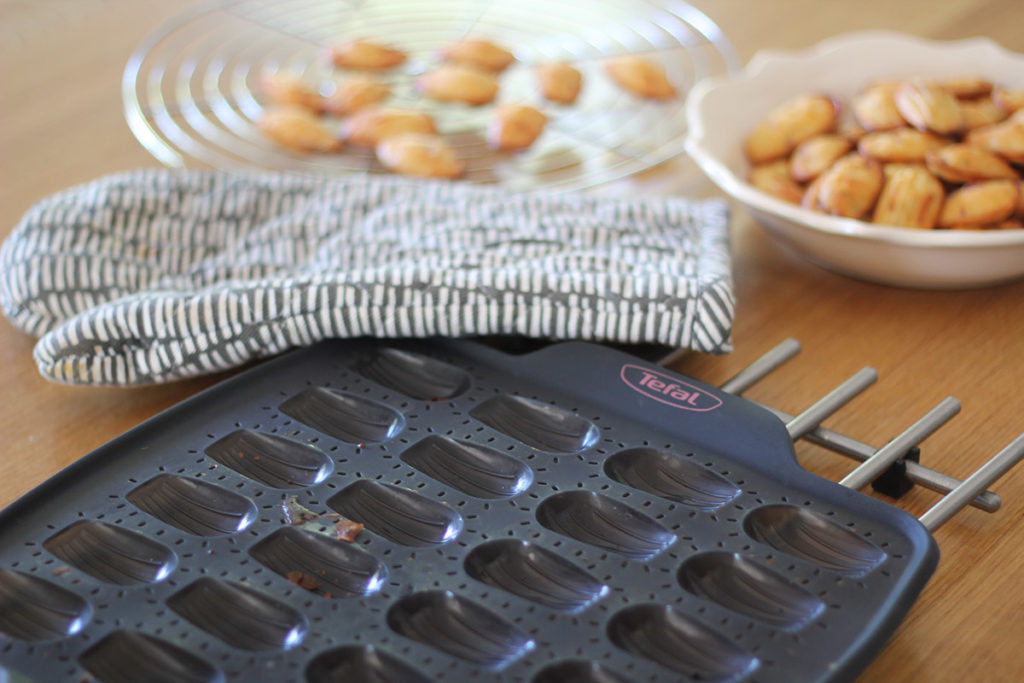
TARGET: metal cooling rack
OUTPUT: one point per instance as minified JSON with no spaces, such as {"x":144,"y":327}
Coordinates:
{"x":894,"y":468}
{"x":190,"y":89}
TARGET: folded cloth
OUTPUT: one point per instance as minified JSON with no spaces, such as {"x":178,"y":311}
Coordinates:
{"x":152,"y":275}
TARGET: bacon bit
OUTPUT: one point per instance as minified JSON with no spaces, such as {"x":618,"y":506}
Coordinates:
{"x":303,"y":580}
{"x":61,"y":571}
{"x":347,"y":530}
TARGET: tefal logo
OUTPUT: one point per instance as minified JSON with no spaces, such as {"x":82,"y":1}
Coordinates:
{"x":668,"y":390}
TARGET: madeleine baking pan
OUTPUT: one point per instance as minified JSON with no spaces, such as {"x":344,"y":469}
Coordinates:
{"x":444,"y":511}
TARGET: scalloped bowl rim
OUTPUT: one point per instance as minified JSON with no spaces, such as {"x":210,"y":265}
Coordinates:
{"x":728,"y":181}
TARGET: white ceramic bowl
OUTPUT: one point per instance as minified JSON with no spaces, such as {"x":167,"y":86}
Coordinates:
{"x":721,"y":111}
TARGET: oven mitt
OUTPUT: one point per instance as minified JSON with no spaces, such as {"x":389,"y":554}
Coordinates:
{"x":153,"y":275}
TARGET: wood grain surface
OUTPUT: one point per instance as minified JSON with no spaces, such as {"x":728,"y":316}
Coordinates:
{"x":61,"y":123}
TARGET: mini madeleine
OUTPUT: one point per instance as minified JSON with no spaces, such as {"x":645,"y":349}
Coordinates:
{"x":481,"y":54}
{"x":929,"y":107}
{"x":812,"y":156}
{"x":875,"y":108}
{"x":851,"y":186}
{"x":515,"y":126}
{"x":966,"y":163}
{"x":990,"y":201}
{"x":298,"y":129}
{"x":353,"y":94}
{"x":789,"y":124}
{"x":559,"y":82}
{"x":911,"y":198}
{"x":419,"y":154}
{"x":365,"y":54}
{"x":775,"y":179}
{"x":640,"y":76}
{"x":288,"y":89}
{"x":903,"y":145}
{"x":458,"y":83}
{"x":369,"y":126}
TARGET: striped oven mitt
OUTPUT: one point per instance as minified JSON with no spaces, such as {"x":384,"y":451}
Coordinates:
{"x":153,"y":275}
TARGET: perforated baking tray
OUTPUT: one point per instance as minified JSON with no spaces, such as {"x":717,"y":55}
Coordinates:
{"x":571,"y":514}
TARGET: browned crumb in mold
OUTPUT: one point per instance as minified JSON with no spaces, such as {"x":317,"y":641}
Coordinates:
{"x":302,"y":580}
{"x":347,"y":530}
{"x":329,"y":524}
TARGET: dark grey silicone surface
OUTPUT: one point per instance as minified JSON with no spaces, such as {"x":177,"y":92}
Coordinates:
{"x":573,"y":514}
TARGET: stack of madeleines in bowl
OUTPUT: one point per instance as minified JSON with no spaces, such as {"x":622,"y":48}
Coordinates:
{"x":912,"y":153}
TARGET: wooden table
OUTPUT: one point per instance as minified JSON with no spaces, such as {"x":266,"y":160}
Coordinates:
{"x":61,"y":123}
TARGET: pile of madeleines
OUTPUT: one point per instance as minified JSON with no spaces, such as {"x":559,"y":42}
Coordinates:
{"x":406,"y":140}
{"x":914,"y":153}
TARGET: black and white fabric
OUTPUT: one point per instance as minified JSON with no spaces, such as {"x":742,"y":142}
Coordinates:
{"x":153,"y":275}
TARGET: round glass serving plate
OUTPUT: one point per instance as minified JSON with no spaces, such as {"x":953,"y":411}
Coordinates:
{"x":191,"y":89}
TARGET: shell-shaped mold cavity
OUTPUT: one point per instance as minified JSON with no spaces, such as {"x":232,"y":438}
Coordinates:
{"x":35,"y":609}
{"x":241,"y":616}
{"x":670,"y":476}
{"x":678,"y":642}
{"x":473,"y":469}
{"x":577,"y":671}
{"x":534,"y":573}
{"x":537,"y":424}
{"x":813,"y":537}
{"x":320,"y":564}
{"x":362,"y":663}
{"x":414,"y":375}
{"x":604,"y":523}
{"x":459,"y":628}
{"x":344,"y":416}
{"x":744,"y":586}
{"x":271,"y":460}
{"x":194,"y":506}
{"x":397,"y":514}
{"x":130,"y":657}
{"x":111,"y":553}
